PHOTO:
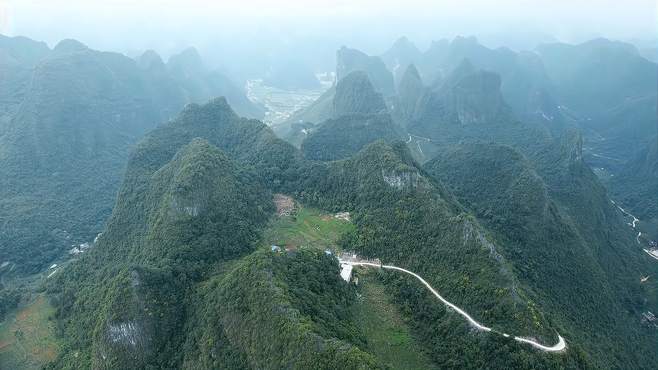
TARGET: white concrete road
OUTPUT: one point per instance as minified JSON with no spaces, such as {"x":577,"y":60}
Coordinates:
{"x":631,"y":224}
{"x":652,"y":254}
{"x":559,"y":347}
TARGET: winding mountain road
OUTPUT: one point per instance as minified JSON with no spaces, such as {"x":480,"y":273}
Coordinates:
{"x":633,"y":224}
{"x":418,"y":139}
{"x":559,"y":347}
{"x":651,"y":254}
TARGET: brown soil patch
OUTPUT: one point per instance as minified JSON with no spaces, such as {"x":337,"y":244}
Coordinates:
{"x":285,"y":205}
{"x":23,"y":315}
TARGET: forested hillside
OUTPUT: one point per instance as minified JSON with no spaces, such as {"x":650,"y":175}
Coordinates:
{"x":469,"y":105}
{"x":200,"y":84}
{"x":64,"y":150}
{"x":165,"y":241}
{"x":158,"y":274}
{"x":550,"y":247}
{"x":637,"y":185}
{"x":68,"y":120}
{"x":359,"y":118}
{"x":18,"y":55}
{"x":339,"y":138}
{"x":349,"y":61}
{"x":555,"y":208}
{"x":407,"y":219}
{"x":277,"y":311}
{"x":465,"y":170}
{"x":523,"y":74}
{"x":184,"y":206}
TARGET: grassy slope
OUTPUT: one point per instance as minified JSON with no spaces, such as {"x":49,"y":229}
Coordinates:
{"x":309,"y":227}
{"x":27,"y":338}
{"x":389,"y":337}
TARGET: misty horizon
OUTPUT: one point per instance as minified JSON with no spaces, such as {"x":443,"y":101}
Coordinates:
{"x":257,"y":29}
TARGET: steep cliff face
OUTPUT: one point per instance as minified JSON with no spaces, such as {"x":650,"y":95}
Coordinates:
{"x":637,"y":185}
{"x":342,"y":137}
{"x":582,"y":74}
{"x":68,"y":120}
{"x":359,"y":118}
{"x":350,"y":60}
{"x":410,"y":92}
{"x":466,"y":104}
{"x":356,"y":95}
{"x":476,"y":98}
{"x":544,"y":212}
{"x":65,"y":146}
{"x":400,"y":56}
{"x":201,"y":84}
{"x":400,"y":180}
{"x":522,"y":73}
{"x":184,"y":207}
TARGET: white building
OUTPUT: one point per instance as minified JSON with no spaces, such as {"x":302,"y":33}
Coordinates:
{"x":346,"y":271}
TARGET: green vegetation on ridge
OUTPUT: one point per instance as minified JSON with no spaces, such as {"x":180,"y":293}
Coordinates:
{"x":202,"y":185}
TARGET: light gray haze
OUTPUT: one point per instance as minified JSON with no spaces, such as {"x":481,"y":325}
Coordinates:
{"x":269,"y":29}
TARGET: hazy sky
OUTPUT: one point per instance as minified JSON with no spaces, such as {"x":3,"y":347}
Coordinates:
{"x":253,"y":26}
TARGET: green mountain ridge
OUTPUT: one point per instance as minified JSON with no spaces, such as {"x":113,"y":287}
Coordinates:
{"x":637,"y":185}
{"x":163,"y":223}
{"x":478,"y":182}
{"x":64,"y":150}
{"x":68,"y":121}
{"x":164,"y":241}
{"x":182,"y":209}
{"x":402,"y":215}
{"x":609,"y":89}
{"x":410,"y":92}
{"x":356,"y":95}
{"x":513,"y":201}
{"x":522,"y":73}
{"x":279,"y":311}
{"x":359,"y":118}
{"x":407,"y":219}
{"x":342,"y":137}
{"x":350,"y":60}
{"x":200,"y":84}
